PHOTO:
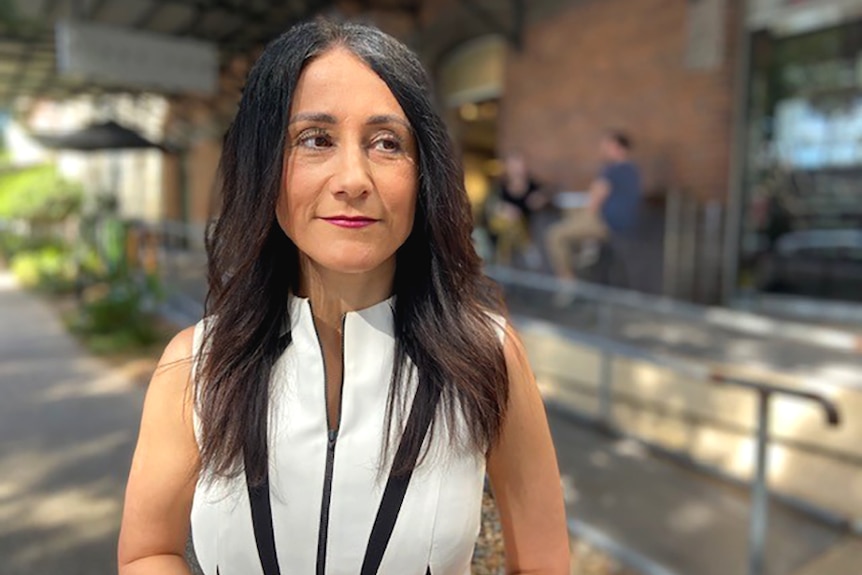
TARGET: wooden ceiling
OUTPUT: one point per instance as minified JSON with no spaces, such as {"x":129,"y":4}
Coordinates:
{"x":27,"y":38}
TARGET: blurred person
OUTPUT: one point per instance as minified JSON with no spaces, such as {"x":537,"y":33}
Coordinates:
{"x":353,"y":379}
{"x":518,"y":197}
{"x":612,"y":207}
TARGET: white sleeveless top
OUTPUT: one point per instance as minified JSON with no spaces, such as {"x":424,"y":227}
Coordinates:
{"x":438,"y":521}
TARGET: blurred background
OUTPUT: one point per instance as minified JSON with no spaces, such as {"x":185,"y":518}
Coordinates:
{"x":700,"y":361}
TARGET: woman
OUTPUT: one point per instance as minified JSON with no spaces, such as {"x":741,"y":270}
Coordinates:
{"x":351,"y":383}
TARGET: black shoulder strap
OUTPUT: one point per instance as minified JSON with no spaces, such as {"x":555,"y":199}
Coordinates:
{"x":261,"y":507}
{"x":261,"y":518}
{"x":387,"y":513}
{"x":393,"y":493}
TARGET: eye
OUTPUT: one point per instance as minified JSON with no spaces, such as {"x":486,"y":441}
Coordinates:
{"x":314,"y":140}
{"x":389,"y":144}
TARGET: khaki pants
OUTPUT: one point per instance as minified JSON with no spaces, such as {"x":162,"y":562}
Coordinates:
{"x":512,"y":235}
{"x":577,"y":226}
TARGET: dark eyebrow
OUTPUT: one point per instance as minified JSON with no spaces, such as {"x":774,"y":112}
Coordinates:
{"x":324,"y":118}
{"x":314,"y":117}
{"x":388,"y":119}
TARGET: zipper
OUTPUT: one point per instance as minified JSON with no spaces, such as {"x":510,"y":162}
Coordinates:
{"x":324,"y":506}
{"x":332,"y":437}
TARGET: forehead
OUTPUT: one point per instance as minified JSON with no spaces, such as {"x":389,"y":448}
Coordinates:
{"x":339,"y":81}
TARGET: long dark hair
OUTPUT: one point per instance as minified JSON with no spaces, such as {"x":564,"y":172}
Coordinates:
{"x":441,"y":313}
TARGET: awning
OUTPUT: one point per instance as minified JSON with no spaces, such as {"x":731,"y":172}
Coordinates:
{"x":97,"y":136}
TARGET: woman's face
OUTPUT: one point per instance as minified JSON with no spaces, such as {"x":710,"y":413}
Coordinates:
{"x":350,"y":179}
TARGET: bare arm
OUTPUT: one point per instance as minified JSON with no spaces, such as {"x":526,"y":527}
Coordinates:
{"x":525,"y":477}
{"x":599,"y":191}
{"x":164,"y":471}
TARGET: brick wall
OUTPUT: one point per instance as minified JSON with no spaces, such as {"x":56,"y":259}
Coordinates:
{"x":621,"y":63}
{"x":586,"y":65}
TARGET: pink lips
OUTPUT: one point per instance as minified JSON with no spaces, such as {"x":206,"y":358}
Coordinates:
{"x":352,"y":222}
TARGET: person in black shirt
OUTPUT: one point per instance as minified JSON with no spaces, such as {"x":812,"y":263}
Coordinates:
{"x":518,"y":197}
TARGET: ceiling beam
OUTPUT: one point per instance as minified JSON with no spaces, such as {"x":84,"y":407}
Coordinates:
{"x":16,"y":87}
{"x":192,"y":24}
{"x":514,"y":33}
{"x":232,"y":9}
{"x":96,"y":8}
{"x":49,"y":10}
{"x":270,"y":28}
{"x":147,"y":16}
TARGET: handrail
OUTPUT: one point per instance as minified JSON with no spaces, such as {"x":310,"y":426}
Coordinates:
{"x":765,"y":391}
{"x":731,"y":319}
{"x":833,"y":417}
{"x":759,"y":516}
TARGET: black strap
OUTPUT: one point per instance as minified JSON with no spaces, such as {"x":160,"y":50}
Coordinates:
{"x":393,"y":493}
{"x":261,"y":518}
{"x":261,"y":507}
{"x":387,"y":513}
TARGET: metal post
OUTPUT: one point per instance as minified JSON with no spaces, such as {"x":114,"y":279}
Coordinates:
{"x":739,"y":143}
{"x":519,"y":22}
{"x":606,"y":369}
{"x":688,"y":250}
{"x":670,"y":267}
{"x":759,"y":489}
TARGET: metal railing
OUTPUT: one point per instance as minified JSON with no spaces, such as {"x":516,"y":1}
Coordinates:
{"x":720,"y":317}
{"x":759,"y":488}
{"x":610,"y":349}
{"x":765,"y":392}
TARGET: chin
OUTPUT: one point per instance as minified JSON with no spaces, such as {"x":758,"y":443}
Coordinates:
{"x":354,"y":263}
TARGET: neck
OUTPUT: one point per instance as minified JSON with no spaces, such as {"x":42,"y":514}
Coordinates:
{"x":333,"y":294}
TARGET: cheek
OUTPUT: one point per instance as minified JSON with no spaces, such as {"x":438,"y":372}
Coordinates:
{"x":291,"y":202}
{"x":281,"y":214}
{"x":402,"y":200}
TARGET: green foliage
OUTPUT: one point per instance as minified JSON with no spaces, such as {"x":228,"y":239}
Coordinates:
{"x":50,"y":268}
{"x":36,"y":194}
{"x":8,"y":12}
{"x":12,"y":243}
{"x":115,"y":315}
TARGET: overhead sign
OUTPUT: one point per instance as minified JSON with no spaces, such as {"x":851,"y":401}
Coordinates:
{"x":129,"y":58}
{"x":799,"y":16}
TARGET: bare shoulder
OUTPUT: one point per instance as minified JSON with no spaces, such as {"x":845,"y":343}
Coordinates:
{"x":165,"y":465}
{"x":517,"y":363}
{"x":168,"y":404}
{"x":523,"y":470}
{"x":169,"y":395}
{"x":180,"y":347}
{"x":176,"y":362}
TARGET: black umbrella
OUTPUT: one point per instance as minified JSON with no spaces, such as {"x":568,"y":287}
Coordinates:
{"x":97,"y":136}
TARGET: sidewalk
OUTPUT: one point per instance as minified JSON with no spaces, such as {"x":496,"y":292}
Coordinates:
{"x":669,"y":520}
{"x":68,"y":424}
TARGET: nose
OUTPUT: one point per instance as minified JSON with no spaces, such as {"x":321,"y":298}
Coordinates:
{"x":352,"y":178}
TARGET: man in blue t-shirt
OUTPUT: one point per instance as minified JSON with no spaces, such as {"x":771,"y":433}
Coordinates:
{"x":614,"y":202}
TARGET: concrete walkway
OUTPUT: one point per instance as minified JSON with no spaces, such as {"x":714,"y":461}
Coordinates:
{"x":68,"y":424}
{"x":667,"y":519}
{"x":698,"y":340}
